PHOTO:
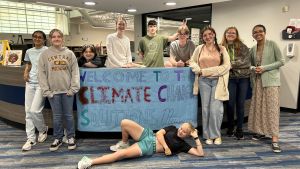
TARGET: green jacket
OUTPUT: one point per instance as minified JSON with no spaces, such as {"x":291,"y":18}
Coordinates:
{"x":272,"y":60}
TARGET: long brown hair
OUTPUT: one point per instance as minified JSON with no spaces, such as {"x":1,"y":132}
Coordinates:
{"x":237,"y":42}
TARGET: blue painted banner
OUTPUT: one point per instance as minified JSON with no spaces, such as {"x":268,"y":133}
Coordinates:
{"x":153,"y":97}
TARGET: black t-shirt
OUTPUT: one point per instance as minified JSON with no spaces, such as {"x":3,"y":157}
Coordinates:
{"x":98,"y":61}
{"x":175,"y":143}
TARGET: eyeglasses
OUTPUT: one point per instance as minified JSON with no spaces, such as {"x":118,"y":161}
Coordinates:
{"x":230,"y":33}
{"x":182,"y":34}
{"x":38,"y":37}
{"x":256,"y":32}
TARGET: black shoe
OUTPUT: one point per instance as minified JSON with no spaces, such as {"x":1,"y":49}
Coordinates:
{"x":239,"y":135}
{"x":230,"y":132}
{"x":257,"y":137}
{"x":275,"y":147}
{"x":55,"y":145}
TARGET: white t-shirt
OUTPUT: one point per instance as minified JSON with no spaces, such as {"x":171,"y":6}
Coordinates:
{"x":32,"y":55}
{"x":118,"y":51}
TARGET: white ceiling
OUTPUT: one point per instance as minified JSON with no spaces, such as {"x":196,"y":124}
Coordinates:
{"x":121,"y":6}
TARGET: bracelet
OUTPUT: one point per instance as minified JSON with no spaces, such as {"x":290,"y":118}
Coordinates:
{"x":196,"y":138}
{"x":198,"y":145}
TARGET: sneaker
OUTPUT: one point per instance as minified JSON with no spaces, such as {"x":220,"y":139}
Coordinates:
{"x":209,"y":141}
{"x":27,"y":146}
{"x":71,"y":143}
{"x":84,"y":163}
{"x":218,"y":141}
{"x":275,"y":147}
{"x":257,"y":137}
{"x":55,"y":145}
{"x":119,"y":145}
{"x":230,"y":132}
{"x":43,"y":136}
{"x":239,"y":135}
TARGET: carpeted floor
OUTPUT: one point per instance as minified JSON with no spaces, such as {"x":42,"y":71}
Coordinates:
{"x":247,"y":154}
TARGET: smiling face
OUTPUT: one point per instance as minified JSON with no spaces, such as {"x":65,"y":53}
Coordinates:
{"x":184,"y":130}
{"x":231,"y":35}
{"x":88,"y":54}
{"x":38,"y":39}
{"x":208,"y":36}
{"x":56,"y":37}
{"x":121,"y":25}
{"x":259,"y":33}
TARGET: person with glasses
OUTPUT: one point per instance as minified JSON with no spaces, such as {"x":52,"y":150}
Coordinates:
{"x":168,"y":140}
{"x":34,"y":100}
{"x":89,"y":58}
{"x":266,"y":59}
{"x":239,"y":79}
{"x":152,"y":45}
{"x":211,"y":63}
{"x":181,"y":50}
{"x":118,"y":47}
{"x":59,"y":80}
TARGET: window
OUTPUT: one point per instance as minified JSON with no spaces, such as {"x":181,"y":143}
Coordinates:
{"x":26,"y":18}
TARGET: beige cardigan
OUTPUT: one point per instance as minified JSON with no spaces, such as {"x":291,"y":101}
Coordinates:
{"x":221,"y":71}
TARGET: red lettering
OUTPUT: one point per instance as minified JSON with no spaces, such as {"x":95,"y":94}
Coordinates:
{"x":83,"y":100}
{"x":146,"y":95}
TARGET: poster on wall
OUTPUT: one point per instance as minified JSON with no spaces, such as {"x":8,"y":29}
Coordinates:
{"x":195,"y":35}
{"x":13,"y":57}
{"x":153,"y":97}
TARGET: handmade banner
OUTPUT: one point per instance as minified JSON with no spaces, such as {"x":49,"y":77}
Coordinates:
{"x":153,"y":97}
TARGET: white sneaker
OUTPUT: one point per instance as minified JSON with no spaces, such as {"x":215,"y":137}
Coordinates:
{"x":55,"y":145}
{"x":27,"y":146}
{"x":84,"y":163}
{"x":43,"y":136}
{"x":119,"y":145}
{"x":209,"y":141}
{"x":71,"y":143}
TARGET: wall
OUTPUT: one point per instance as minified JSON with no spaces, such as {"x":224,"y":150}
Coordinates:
{"x":244,"y":14}
{"x":84,"y":34}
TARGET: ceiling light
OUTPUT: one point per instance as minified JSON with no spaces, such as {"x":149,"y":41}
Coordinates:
{"x":90,"y":3}
{"x":131,"y":10}
{"x":170,"y":3}
{"x":206,"y":21}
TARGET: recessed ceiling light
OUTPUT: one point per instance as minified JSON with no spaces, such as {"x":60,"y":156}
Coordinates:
{"x":131,"y":10}
{"x":206,"y":21}
{"x":170,"y":3}
{"x":90,"y":3}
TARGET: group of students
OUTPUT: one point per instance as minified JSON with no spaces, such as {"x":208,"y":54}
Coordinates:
{"x":222,"y":73}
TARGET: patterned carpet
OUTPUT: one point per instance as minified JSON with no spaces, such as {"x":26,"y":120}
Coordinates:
{"x":247,"y":154}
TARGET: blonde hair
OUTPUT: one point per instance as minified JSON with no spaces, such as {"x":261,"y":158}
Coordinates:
{"x":56,"y":30}
{"x":185,"y":29}
{"x":237,"y":42}
{"x":191,"y":127}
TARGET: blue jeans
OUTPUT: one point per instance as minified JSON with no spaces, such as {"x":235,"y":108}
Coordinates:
{"x":62,"y":109}
{"x":238,"y":89}
{"x":34,"y":104}
{"x":212,"y":109}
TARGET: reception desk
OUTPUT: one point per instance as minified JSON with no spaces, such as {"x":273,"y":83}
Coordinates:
{"x":154,"y":97}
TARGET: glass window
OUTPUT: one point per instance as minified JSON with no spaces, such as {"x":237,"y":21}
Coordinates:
{"x":17,"y":17}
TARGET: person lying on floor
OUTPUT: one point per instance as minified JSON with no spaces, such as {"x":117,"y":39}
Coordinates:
{"x":168,"y":140}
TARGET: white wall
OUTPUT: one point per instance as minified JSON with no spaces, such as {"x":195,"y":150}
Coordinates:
{"x":244,"y":14}
{"x":86,"y":34}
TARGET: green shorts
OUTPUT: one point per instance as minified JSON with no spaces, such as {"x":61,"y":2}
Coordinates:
{"x":147,"y":142}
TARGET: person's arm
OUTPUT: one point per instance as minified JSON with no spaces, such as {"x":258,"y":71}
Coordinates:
{"x":75,"y":82}
{"x":172,"y":57}
{"x":198,"y":150}
{"x":193,"y":61}
{"x":128,"y":53}
{"x":96,"y":62}
{"x":279,"y":60}
{"x":141,"y":49}
{"x":43,"y":76}
{"x":243,"y":61}
{"x":27,"y":70}
{"x":160,"y":138}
